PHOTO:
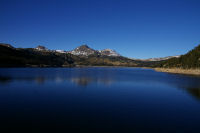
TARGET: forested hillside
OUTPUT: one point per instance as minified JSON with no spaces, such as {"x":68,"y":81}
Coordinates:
{"x":12,"y":57}
{"x":187,"y":61}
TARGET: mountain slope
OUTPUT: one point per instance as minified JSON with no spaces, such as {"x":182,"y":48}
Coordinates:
{"x":19,"y":57}
{"x":85,"y":50}
{"x":108,"y":52}
{"x":159,"y":59}
{"x":187,"y":61}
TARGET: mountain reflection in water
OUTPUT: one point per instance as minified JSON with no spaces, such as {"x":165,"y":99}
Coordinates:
{"x":105,"y":76}
{"x":81,"y":79}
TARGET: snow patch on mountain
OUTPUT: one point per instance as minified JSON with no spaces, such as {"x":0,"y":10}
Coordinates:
{"x":85,"y":50}
{"x":109,"y":52}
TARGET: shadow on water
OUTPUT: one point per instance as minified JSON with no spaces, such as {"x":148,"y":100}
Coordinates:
{"x":194,"y":92}
{"x":189,"y":84}
{"x":5,"y":80}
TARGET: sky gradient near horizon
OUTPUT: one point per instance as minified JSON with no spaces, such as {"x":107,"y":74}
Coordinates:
{"x":134,"y":28}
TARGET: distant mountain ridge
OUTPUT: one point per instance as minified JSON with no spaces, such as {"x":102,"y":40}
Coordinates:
{"x":158,"y":59}
{"x":86,"y":56}
{"x":32,"y":57}
{"x":85,"y":50}
{"x":44,"y":57}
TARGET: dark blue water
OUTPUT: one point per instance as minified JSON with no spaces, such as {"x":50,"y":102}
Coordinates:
{"x":98,"y":100}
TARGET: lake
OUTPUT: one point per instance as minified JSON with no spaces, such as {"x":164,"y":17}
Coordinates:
{"x":98,"y":99}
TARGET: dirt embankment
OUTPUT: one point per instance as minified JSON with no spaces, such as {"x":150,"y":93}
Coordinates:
{"x":179,"y":71}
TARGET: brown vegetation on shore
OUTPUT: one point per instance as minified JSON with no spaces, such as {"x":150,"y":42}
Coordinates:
{"x":179,"y":71}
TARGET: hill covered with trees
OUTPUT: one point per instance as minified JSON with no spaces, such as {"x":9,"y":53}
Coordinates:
{"x":191,"y":60}
{"x":29,"y":57}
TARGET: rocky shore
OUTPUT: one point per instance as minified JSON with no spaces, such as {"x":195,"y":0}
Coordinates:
{"x":179,"y":71}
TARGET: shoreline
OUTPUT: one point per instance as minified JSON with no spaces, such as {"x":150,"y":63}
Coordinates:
{"x":72,"y":66}
{"x":195,"y":72}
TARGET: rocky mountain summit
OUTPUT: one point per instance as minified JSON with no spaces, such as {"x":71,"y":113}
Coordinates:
{"x":109,"y":52}
{"x":85,"y":50}
{"x":39,"y":47}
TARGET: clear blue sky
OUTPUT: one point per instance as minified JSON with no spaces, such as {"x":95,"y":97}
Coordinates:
{"x":134,"y":28}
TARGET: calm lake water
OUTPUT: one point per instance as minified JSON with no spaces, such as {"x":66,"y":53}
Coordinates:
{"x":98,"y":100}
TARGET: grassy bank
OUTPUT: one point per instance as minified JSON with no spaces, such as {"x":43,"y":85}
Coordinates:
{"x":179,"y":71}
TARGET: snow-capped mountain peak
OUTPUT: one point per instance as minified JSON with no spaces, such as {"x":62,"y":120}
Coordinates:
{"x":41,"y":48}
{"x":109,"y":52}
{"x":83,"y":50}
